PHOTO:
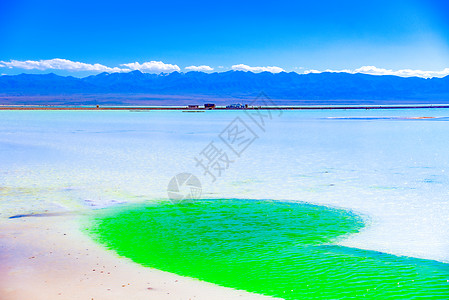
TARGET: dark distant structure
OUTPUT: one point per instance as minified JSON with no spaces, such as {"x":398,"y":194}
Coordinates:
{"x":235,"y":106}
{"x":193,"y":106}
{"x":209,"y":106}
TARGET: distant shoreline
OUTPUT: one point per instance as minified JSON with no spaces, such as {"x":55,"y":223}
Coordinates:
{"x":185,"y":108}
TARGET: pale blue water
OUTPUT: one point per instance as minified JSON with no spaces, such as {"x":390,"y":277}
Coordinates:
{"x":393,"y":171}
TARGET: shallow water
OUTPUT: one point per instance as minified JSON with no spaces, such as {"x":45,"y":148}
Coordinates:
{"x":394,"y":170}
{"x":280,"y":249}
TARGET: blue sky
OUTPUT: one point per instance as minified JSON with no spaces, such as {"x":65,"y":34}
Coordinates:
{"x":295,"y":36}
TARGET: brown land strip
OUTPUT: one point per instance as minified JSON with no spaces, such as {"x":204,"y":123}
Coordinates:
{"x":183,"y":108}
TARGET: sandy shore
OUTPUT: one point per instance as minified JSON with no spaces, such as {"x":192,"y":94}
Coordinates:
{"x":50,"y":258}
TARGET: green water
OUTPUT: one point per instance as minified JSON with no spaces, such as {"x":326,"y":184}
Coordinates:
{"x":280,"y":249}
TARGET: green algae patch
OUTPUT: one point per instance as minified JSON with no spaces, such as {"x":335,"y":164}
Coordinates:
{"x":280,"y":249}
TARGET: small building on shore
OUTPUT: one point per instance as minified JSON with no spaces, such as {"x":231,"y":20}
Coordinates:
{"x":209,"y":106}
{"x":193,"y":106}
{"x":235,"y":106}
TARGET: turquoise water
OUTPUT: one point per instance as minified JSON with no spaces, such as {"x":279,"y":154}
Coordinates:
{"x":285,"y":250}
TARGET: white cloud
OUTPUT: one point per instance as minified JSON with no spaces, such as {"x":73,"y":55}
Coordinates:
{"x":242,"y":67}
{"x":328,"y":70}
{"x":372,"y":70}
{"x":152,"y":67}
{"x":68,"y":65}
{"x":202,"y":68}
{"x":403,"y":73}
{"x":312,"y":71}
{"x":159,"y":66}
{"x":57,"y":64}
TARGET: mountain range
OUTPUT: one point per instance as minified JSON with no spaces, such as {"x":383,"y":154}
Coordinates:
{"x":177,"y":88}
